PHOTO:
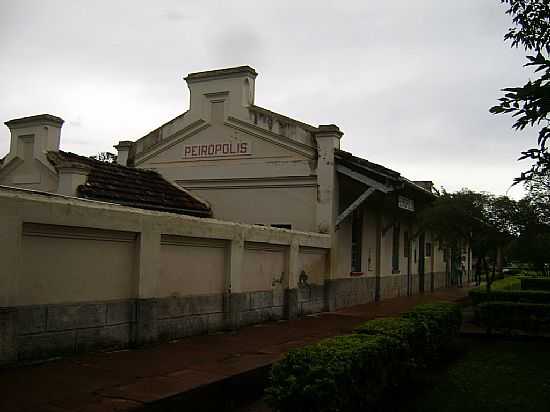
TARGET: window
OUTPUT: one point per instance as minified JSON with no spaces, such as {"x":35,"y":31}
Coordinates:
{"x":406,"y":244}
{"x":428,"y":249}
{"x":356,"y":235}
{"x":395,"y":248}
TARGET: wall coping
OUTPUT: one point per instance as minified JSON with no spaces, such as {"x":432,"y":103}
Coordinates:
{"x":167,"y":223}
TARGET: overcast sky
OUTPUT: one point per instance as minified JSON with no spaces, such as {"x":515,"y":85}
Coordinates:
{"x":409,"y":83}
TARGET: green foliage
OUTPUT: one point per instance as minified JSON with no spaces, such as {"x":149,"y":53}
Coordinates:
{"x":530,"y":104}
{"x":508,"y":283}
{"x":533,"y":222}
{"x":524,"y":296}
{"x":408,"y":331}
{"x":455,"y":218}
{"x":508,"y":316}
{"x":343,"y":373}
{"x":357,"y":372}
{"x":442,"y":322}
{"x":514,"y":289}
{"x":487,"y":223}
{"x":476,"y":219}
{"x":532,"y":20}
{"x":535,"y":284}
{"x":538,"y":197}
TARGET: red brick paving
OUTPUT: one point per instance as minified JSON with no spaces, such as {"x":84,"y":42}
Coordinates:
{"x":126,"y":380}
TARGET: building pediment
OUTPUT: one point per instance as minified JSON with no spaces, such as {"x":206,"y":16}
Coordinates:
{"x":230,"y":141}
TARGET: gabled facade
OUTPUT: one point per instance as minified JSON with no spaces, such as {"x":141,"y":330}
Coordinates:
{"x":108,"y":276}
{"x":259,"y":167}
{"x":232,"y":152}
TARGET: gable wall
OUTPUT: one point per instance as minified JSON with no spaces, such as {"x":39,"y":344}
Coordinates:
{"x":29,"y":174}
{"x":272,"y":182}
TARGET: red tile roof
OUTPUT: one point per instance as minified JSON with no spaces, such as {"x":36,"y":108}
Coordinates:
{"x":128,"y":186}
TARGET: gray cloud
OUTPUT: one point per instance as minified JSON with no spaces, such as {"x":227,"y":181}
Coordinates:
{"x":410,"y":83}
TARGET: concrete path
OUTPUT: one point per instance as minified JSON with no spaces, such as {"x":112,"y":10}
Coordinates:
{"x":169,"y":376}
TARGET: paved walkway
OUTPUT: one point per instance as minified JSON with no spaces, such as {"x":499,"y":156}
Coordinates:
{"x":136,"y":379}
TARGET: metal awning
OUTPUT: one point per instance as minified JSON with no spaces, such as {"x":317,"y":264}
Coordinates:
{"x":372,"y":184}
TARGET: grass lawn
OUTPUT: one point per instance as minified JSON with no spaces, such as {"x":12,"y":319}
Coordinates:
{"x":490,"y":375}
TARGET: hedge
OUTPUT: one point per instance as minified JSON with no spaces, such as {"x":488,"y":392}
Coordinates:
{"x":508,"y":316}
{"x":408,"y":331}
{"x":356,"y":372}
{"x":343,"y":373}
{"x":442,"y":322}
{"x":508,"y":283}
{"x":523,"y":296}
{"x":530,"y":283}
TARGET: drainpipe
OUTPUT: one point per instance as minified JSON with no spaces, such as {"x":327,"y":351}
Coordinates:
{"x":378,"y":254}
{"x":432,"y":285}
{"x":409,"y":253}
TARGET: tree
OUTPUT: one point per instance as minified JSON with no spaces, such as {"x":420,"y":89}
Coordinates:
{"x":533,"y":221}
{"x":538,"y":195}
{"x":483,"y":222}
{"x":530,"y":103}
{"x":106,"y":157}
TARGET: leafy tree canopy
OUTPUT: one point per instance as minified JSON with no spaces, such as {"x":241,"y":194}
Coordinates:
{"x":483,"y":221}
{"x":538,"y":196}
{"x":488,"y":223}
{"x":530,"y":103}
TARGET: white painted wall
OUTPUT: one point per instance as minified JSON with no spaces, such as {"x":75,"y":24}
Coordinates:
{"x":57,"y":249}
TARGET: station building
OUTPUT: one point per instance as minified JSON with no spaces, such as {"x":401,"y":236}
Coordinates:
{"x":230,"y":159}
{"x":256,"y":166}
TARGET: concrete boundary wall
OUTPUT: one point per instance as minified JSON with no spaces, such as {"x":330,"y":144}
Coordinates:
{"x":62,"y":329}
{"x":340,"y":293}
{"x":81,"y":276}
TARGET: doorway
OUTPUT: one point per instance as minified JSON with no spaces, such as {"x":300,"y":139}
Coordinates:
{"x":421,"y":262}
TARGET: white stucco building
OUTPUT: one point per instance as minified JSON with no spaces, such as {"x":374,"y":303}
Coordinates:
{"x":299,"y":227}
{"x":244,"y":163}
{"x":259,"y":167}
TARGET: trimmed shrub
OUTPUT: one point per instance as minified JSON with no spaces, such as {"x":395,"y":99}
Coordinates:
{"x":530,"y":283}
{"x":442,"y":322}
{"x":344,"y":373}
{"x":508,"y":316}
{"x":357,"y":372}
{"x":408,"y":331}
{"x":508,"y":283}
{"x":523,"y":296}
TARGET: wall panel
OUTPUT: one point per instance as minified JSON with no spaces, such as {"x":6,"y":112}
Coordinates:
{"x":191,"y":266}
{"x":75,"y":264}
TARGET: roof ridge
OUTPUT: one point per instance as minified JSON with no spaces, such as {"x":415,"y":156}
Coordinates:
{"x":378,"y":168}
{"x":130,"y":185}
{"x":307,"y":125}
{"x":88,"y":159}
{"x":345,"y":153}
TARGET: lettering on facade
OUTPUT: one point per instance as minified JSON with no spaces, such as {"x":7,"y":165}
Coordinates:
{"x":405,"y":203}
{"x":195,"y":151}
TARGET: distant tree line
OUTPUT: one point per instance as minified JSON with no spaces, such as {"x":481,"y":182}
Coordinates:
{"x":495,"y":228}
